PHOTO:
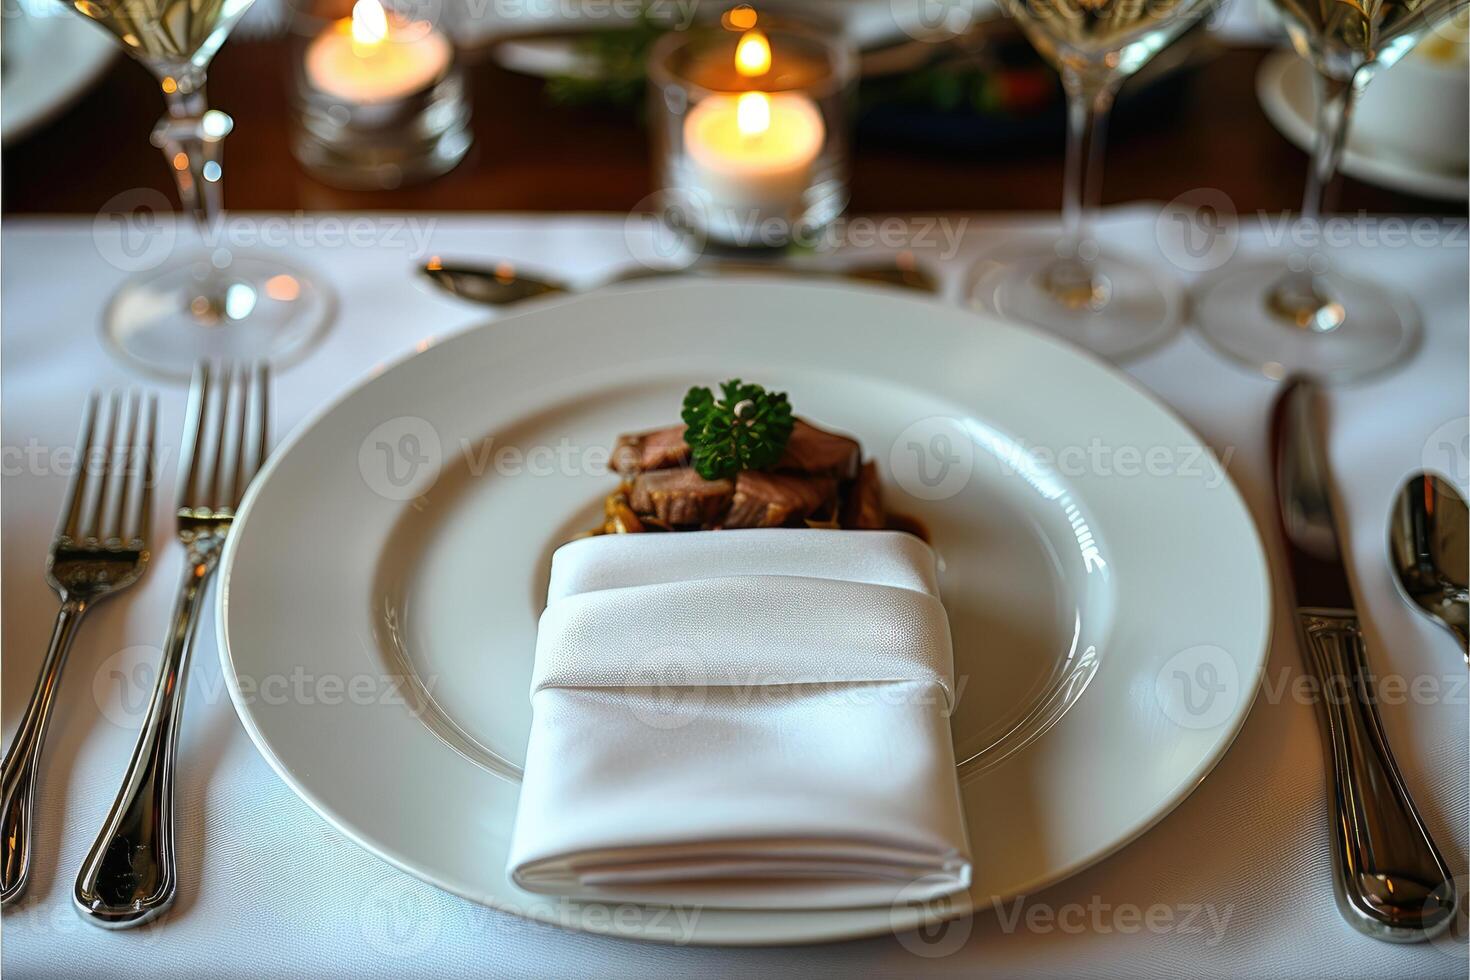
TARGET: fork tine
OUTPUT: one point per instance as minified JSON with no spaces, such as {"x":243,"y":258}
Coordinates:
{"x":254,"y":424}
{"x":89,"y":524}
{"x":226,"y":386}
{"x":193,"y":435}
{"x":119,"y":466}
{"x":263,"y":424}
{"x":150,"y":473}
{"x":76,"y":488}
{"x":238,"y":476}
{"x":122,"y":520}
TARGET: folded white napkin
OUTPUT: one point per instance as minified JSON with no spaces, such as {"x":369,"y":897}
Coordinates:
{"x":742,"y":719}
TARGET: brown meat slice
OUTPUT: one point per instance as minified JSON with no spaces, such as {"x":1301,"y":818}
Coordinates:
{"x":680,"y":497}
{"x":864,"y":509}
{"x":810,"y":450}
{"x":817,"y":452}
{"x":643,"y":451}
{"x":774,"y":499}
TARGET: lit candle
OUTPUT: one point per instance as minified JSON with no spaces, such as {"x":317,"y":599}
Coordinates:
{"x":751,"y":152}
{"x":374,"y":56}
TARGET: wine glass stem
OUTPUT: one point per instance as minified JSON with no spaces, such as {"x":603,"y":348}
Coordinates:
{"x":192,"y":145}
{"x":1089,"y":100}
{"x":191,"y":137}
{"x":1335,"y":101}
{"x":1299,"y":297}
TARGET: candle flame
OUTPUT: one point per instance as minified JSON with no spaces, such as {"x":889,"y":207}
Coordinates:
{"x":753,"y":113}
{"x":752,"y":54}
{"x":369,"y":23}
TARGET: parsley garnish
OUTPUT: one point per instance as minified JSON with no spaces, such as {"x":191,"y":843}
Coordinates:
{"x":745,"y":429}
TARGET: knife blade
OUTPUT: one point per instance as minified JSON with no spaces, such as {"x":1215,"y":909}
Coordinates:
{"x":1303,"y":488}
{"x":1391,"y":882}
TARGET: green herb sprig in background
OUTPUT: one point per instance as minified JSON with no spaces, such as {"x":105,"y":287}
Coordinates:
{"x":746,"y":428}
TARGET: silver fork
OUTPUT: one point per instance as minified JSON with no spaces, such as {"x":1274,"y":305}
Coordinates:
{"x":130,"y":874}
{"x":100,"y":547}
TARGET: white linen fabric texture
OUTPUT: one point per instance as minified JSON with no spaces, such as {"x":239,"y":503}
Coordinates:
{"x":742,"y":719}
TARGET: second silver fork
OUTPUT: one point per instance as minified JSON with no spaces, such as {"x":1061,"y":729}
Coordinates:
{"x":130,"y":875}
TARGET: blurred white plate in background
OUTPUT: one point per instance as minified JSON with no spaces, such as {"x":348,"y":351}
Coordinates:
{"x":538,"y":42}
{"x":1374,"y":153}
{"x":50,"y":57}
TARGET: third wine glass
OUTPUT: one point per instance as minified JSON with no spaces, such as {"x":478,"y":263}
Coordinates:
{"x":1094,"y":296}
{"x":1295,"y":314}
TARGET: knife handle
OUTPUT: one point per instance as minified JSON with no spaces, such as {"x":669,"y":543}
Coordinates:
{"x":1391,"y":882}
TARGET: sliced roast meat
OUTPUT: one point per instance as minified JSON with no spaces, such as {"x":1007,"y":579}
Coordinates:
{"x":810,"y":450}
{"x":864,"y":508}
{"x":774,"y":499}
{"x":817,"y":452}
{"x":643,"y":451}
{"x":680,"y":497}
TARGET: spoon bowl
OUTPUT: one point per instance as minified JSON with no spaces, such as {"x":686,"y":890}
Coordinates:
{"x":1428,"y":540}
{"x":504,"y":285}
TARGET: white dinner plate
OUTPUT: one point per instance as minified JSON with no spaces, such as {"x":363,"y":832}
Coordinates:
{"x":1106,"y":588}
{"x":1284,"y":87}
{"x":49,"y":59}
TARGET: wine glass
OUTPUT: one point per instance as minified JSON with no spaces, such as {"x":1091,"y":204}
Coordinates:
{"x":1300,"y":316}
{"x":216,"y":303}
{"x":1095,"y":297}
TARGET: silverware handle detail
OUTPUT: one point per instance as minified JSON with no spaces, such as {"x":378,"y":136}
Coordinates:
{"x":1391,"y":882}
{"x":22,"y":761}
{"x":129,"y":875}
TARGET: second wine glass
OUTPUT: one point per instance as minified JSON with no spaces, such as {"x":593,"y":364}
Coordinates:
{"x":1101,"y":299}
{"x":218,"y":303}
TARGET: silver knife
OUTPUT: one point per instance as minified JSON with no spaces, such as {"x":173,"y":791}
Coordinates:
{"x":1391,"y":882}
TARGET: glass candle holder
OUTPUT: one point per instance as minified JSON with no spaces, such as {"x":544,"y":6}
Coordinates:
{"x":378,"y":99}
{"x":750,"y":126}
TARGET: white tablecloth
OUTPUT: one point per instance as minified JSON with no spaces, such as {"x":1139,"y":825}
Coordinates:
{"x":1234,"y":883}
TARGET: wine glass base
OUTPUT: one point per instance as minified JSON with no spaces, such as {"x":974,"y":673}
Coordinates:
{"x":1377,"y":326}
{"x":253,"y":307}
{"x":1129,"y":310}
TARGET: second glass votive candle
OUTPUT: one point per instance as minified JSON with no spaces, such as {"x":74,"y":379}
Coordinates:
{"x":750,"y":126}
{"x":378,"y":99}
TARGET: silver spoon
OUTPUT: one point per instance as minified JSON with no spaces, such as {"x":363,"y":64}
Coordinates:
{"x":503,"y":284}
{"x":1428,"y":537}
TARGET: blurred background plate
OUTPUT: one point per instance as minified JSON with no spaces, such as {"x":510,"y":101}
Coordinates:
{"x":893,"y":35}
{"x":48,"y":57}
{"x":1284,"y":86}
